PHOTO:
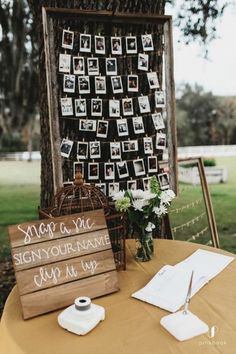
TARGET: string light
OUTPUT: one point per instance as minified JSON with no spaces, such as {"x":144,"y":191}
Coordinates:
{"x":187,"y":206}
{"x":189,"y":223}
{"x":197,"y":235}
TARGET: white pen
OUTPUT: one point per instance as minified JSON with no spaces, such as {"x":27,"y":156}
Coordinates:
{"x":187,"y":301}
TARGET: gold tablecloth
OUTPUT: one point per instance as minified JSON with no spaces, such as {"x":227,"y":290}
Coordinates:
{"x":131,"y":326}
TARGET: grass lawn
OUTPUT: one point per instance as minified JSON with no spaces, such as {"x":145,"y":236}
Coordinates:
{"x":19,"y":191}
{"x":224,"y":201}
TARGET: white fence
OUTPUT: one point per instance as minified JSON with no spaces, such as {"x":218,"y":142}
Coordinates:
{"x":207,"y":151}
{"x":213,"y":175}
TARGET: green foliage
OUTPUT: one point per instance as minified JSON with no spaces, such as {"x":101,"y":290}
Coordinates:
{"x":204,"y":119}
{"x":197,"y":19}
{"x":206,"y":162}
{"x":11,"y":143}
{"x":209,"y":162}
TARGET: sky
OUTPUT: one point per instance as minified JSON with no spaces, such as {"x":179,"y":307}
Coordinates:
{"x":218,"y":73}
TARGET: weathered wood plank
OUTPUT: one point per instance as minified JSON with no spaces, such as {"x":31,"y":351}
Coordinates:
{"x":64,"y":272}
{"x":59,"y":258}
{"x":63,"y":295}
{"x":54,"y":251}
{"x":54,"y":228}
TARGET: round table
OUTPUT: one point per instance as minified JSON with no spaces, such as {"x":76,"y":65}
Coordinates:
{"x":131,"y":326}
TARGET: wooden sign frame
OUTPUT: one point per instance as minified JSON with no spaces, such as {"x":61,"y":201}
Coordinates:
{"x":207,"y":200}
{"x":58,"y":259}
{"x":50,"y":60}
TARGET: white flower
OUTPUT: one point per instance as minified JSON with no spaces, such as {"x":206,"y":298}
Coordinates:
{"x":148,"y":195}
{"x":138,"y":194}
{"x":150,"y":227}
{"x":161,"y":210}
{"x":138,"y":204}
{"x":119,"y":195}
{"x":170,"y":193}
{"x":166,"y":197}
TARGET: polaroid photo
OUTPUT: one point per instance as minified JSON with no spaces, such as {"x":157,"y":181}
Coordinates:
{"x":66,"y":106}
{"x":100,"y":85}
{"x":130,"y":145}
{"x":152,"y":164}
{"x":69,"y":83}
{"x":99,"y":44}
{"x":148,"y":145}
{"x":127,"y":105}
{"x":113,"y":188}
{"x":116,"y":83}
{"x":66,"y":147}
{"x":139,"y":168}
{"x":78,"y":167}
{"x":132,"y":83}
{"x":115,"y":150}
{"x":78,"y":65}
{"x":131,"y":45}
{"x":147,"y":42}
{"x":102,"y":187}
{"x":122,"y":127}
{"x":82,"y":150}
{"x":114,"y":108}
{"x":85,"y":43}
{"x":84,"y":84}
{"x":102,"y":128}
{"x":163,"y":179}
{"x":80,"y":107}
{"x":160,"y":141}
{"x":93,"y":66}
{"x":109,"y":170}
{"x":158,"y":121}
{"x":96,"y":107}
{"x":144,"y":105}
{"x":122,"y":169}
{"x":116,"y":45}
{"x":111,"y":66}
{"x":67,"y":39}
{"x":138,"y":125}
{"x":160,"y":99}
{"x":132,"y":185}
{"x":146,"y":183}
{"x":87,"y":125}
{"x":93,"y":170}
{"x":95,"y":149}
{"x":64,"y":63}
{"x":153,"y":80}
{"x":143,"y":62}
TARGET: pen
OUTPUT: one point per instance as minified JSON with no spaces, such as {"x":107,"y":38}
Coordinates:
{"x":187,"y":301}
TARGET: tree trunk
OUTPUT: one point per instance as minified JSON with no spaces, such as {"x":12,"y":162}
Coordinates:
{"x":128,"y":6}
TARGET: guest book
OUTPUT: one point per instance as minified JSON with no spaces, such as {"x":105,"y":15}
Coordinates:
{"x":168,"y":288}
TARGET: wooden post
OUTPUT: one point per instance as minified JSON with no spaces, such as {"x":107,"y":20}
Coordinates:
{"x":52,"y":102}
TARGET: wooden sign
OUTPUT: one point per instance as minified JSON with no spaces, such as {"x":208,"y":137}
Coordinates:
{"x":59,"y":259}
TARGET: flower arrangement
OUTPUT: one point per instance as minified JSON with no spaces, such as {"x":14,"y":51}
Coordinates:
{"x":144,"y":210}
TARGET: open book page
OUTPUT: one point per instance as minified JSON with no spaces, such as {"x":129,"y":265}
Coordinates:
{"x":168,"y":288}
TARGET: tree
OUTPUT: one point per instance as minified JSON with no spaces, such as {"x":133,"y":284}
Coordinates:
{"x":227,"y":120}
{"x":18,"y":66}
{"x":205,"y":119}
{"x":197,"y":19}
{"x":199,"y":111}
{"x":195,"y":24}
{"x":121,"y":6}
